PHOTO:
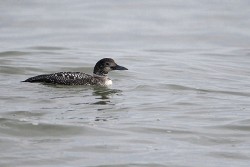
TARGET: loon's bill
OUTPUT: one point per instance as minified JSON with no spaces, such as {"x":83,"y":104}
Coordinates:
{"x":99,"y":77}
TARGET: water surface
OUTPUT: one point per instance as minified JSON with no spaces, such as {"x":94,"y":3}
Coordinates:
{"x":183,"y":102}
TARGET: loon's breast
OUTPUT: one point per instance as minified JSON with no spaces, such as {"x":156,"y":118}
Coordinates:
{"x":108,"y":82}
{"x":71,"y":78}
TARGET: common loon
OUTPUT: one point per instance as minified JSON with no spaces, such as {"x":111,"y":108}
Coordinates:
{"x":99,"y":77}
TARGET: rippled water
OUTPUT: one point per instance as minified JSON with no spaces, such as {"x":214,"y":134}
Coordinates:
{"x":183,"y":102}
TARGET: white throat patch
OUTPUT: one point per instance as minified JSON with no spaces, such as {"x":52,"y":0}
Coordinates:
{"x":108,"y":82}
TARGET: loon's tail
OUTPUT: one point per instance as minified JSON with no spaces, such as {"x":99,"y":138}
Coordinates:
{"x":38,"y":78}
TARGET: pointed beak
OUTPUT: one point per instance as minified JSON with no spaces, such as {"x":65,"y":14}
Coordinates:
{"x":117,"y":67}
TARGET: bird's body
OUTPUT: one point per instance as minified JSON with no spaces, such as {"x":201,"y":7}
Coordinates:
{"x":70,"y":78}
{"x":98,"y":78}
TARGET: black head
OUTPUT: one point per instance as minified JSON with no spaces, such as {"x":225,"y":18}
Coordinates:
{"x":106,"y":65}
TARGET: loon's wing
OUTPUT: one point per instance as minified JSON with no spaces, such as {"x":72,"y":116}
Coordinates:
{"x":64,"y":78}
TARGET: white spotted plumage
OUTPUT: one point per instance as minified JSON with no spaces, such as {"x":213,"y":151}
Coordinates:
{"x":99,"y":77}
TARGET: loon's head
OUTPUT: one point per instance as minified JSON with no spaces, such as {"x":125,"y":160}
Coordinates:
{"x":106,"y":65}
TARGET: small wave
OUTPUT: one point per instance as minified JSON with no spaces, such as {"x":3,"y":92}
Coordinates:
{"x":13,"y":53}
{"x":181,"y":87}
{"x":44,"y":48}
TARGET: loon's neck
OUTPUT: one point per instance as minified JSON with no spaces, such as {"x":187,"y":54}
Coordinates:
{"x":102,"y":76}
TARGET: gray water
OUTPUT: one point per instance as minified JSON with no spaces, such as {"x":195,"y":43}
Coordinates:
{"x":185,"y":100}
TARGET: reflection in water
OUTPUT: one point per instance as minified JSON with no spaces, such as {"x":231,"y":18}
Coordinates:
{"x":105,"y":118}
{"x":104,"y":93}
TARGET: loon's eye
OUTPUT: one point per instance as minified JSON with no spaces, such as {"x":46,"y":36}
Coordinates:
{"x":107,"y":64}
